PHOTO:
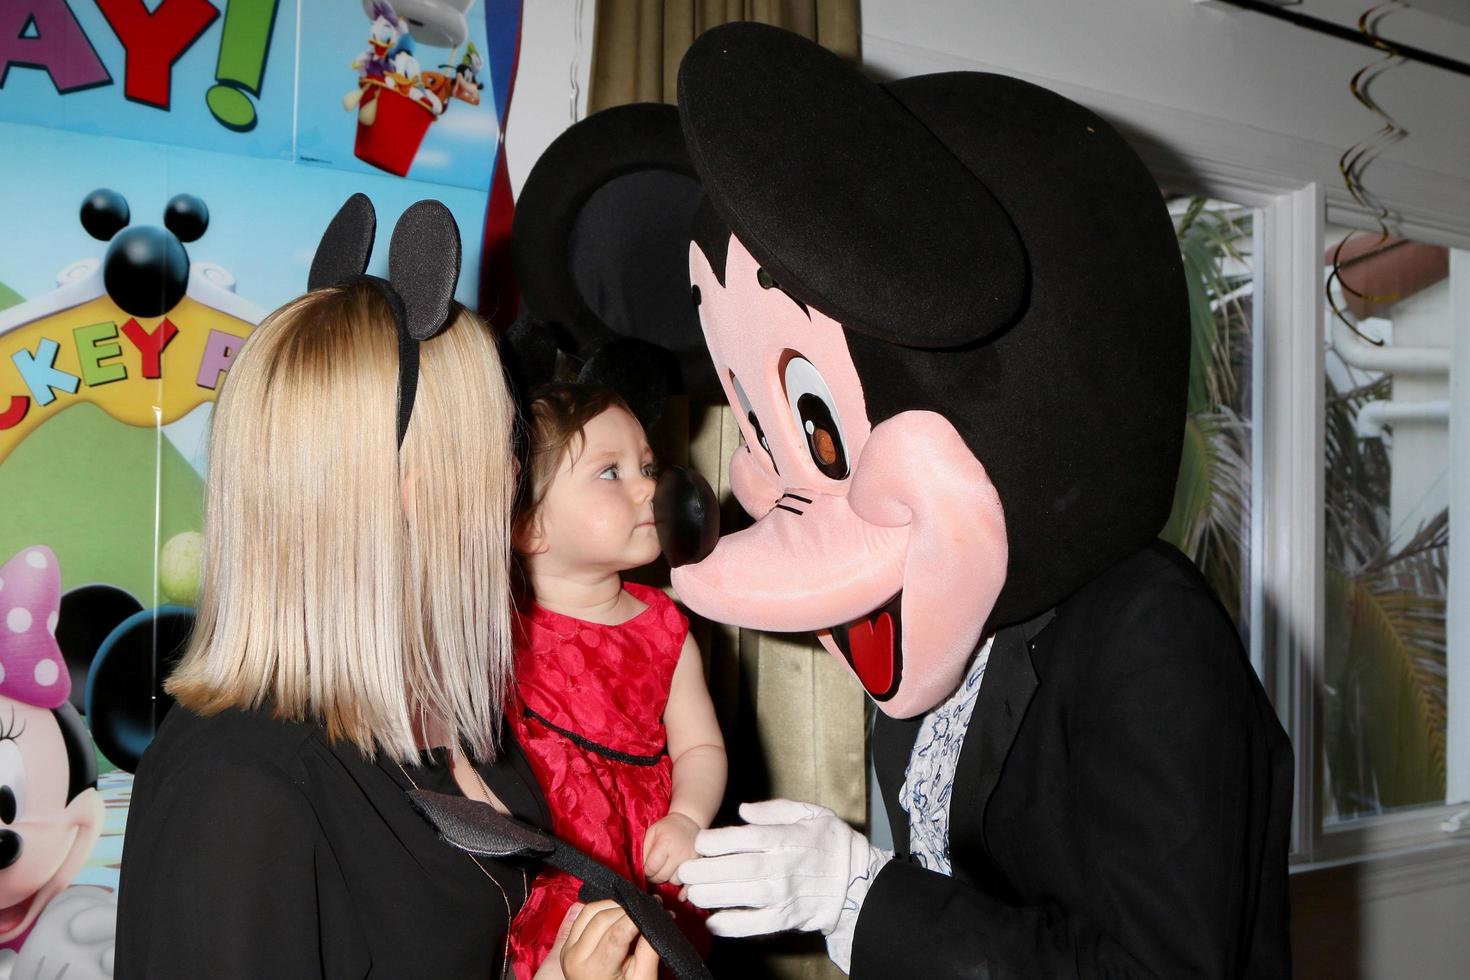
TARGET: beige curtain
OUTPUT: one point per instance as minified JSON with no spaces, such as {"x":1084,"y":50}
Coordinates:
{"x":638,"y":43}
{"x":793,"y":717}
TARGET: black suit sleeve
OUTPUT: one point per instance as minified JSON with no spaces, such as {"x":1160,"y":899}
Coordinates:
{"x":1167,"y":753}
{"x":221,"y":877}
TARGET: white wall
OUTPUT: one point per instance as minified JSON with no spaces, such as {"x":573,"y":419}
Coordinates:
{"x":1272,"y":97}
{"x":551,"y":80}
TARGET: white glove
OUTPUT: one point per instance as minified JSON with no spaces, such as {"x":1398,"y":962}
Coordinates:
{"x":794,"y":866}
{"x":72,"y":938}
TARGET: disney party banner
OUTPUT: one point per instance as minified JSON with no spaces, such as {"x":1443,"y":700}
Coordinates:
{"x":171,"y":165}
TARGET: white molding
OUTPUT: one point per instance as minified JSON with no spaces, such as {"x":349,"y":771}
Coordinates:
{"x":1292,"y":404}
{"x":1457,"y":625}
{"x":1390,"y":833}
{"x":1405,"y":871}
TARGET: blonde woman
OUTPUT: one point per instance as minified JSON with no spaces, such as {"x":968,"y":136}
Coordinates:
{"x":352,"y":644}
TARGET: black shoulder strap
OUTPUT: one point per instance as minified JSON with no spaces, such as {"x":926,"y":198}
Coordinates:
{"x":478,"y":828}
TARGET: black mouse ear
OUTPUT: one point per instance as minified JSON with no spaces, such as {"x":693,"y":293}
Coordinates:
{"x":423,"y":266}
{"x":874,"y":220}
{"x":105,"y":213}
{"x":187,"y":216}
{"x":125,"y":699}
{"x":346,"y":245}
{"x":643,"y":374}
{"x":88,"y":614}
{"x":601,"y":237}
{"x":529,"y":351}
{"x":476,"y":828}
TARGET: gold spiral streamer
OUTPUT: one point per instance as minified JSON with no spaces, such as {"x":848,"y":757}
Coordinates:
{"x":1355,"y":159}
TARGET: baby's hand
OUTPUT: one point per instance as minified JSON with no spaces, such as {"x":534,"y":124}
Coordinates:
{"x":668,"y":844}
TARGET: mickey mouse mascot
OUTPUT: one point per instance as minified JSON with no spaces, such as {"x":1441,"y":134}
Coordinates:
{"x":950,"y":315}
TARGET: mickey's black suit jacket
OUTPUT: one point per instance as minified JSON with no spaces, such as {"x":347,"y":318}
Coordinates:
{"x":1121,"y":806}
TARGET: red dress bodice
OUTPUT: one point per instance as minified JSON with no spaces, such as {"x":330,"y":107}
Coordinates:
{"x":589,"y":715}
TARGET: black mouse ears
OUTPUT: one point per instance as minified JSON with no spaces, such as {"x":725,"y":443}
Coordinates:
{"x":346,"y":245}
{"x":423,"y":259}
{"x":423,"y":266}
{"x":855,"y":206}
{"x":423,"y":269}
{"x":601,"y":238}
{"x":642,"y":373}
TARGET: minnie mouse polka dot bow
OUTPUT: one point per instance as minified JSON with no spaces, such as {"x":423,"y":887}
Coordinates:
{"x":32,"y":670}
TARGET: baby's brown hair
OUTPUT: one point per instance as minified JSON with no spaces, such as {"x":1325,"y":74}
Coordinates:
{"x":555,"y":417}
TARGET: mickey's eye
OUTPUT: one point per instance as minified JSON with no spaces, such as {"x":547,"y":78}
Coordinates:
{"x":815,"y":412}
{"x":755,"y":422}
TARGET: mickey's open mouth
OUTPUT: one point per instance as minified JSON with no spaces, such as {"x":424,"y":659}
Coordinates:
{"x":873,"y":647}
{"x":13,"y":915}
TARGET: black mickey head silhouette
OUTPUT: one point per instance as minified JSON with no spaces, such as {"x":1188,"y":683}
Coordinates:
{"x":146,"y":269}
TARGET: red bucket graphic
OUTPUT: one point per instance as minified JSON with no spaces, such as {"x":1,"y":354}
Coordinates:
{"x":392,"y":140}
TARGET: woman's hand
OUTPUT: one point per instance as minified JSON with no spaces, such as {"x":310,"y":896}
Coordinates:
{"x":668,"y":844}
{"x":596,"y":942}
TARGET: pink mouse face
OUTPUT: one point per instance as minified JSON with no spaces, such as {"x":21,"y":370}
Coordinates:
{"x":888,"y":541}
{"x":44,"y":838}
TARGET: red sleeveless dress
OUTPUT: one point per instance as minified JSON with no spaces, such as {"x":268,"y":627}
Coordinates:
{"x":604,"y":687}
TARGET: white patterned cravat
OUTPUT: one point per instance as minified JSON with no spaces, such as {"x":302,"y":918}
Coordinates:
{"x":925,"y":795}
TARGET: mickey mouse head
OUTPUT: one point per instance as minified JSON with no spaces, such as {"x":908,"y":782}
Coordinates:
{"x":146,"y":269}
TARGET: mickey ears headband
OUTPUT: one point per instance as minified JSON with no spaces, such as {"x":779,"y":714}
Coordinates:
{"x":423,"y":269}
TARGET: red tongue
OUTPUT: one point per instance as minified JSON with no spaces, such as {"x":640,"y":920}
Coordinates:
{"x":872,"y":652}
{"x":13,"y":915}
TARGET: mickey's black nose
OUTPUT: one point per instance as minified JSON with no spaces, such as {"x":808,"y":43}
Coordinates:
{"x":687,"y":515}
{"x":146,"y":270}
{"x":9,"y":848}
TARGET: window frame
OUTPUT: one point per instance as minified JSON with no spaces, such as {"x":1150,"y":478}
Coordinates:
{"x":1288,"y":621}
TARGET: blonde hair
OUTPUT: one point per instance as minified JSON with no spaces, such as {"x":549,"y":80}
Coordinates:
{"x":346,"y":581}
{"x":557,"y":414}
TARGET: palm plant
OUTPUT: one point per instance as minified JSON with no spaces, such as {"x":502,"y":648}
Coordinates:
{"x":1210,"y":519}
{"x":1383,"y":684}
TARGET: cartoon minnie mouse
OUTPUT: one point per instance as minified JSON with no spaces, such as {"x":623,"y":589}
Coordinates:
{"x":50,"y":809}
